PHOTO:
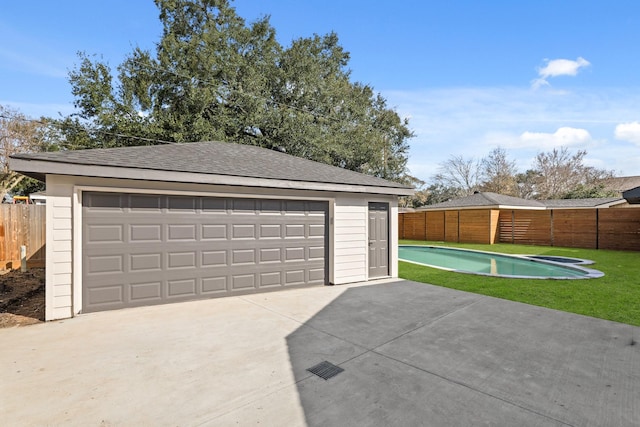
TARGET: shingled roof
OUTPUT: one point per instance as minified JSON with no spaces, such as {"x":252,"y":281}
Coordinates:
{"x":217,"y":159}
{"x":486,"y":200}
{"x":621,"y":184}
{"x":582,"y":203}
{"x":489,"y":200}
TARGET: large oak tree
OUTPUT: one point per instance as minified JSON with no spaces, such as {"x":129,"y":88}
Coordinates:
{"x":212,"y":76}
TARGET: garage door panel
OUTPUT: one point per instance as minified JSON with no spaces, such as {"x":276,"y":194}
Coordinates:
{"x":213,"y":205}
{"x":214,"y":285}
{"x":139,"y":203}
{"x":270,"y":231}
{"x":105,"y":295}
{"x":151,"y":249}
{"x":105,"y":264}
{"x":214,"y":232}
{"x":217,"y":258}
{"x":316,"y":275}
{"x":270,"y":279}
{"x":181,"y":288}
{"x":181,"y":260}
{"x":243,"y":206}
{"x":183,"y":232}
{"x":294,"y":277}
{"x":149,"y":262}
{"x":178,"y":205}
{"x":105,"y":202}
{"x":271,"y":207}
{"x":243,"y":231}
{"x":102,"y":233}
{"x":268,"y":255}
{"x":243,"y":282}
{"x":145,"y":233}
{"x":145,"y":291}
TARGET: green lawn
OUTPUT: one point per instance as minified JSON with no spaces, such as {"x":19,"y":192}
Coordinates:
{"x":616,"y":296}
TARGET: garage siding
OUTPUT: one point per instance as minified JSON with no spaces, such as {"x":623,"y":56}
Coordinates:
{"x":350,"y":240}
{"x":150,"y":249}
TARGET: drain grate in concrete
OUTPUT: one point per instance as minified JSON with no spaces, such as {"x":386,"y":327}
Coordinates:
{"x":325,"y":370}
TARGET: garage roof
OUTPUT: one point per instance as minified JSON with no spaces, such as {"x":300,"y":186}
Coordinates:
{"x":204,"y":162}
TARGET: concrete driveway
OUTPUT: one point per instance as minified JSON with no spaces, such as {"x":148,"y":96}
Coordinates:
{"x":412,"y":354}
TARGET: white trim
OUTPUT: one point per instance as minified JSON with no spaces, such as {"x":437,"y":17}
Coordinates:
{"x":49,"y":296}
{"x":76,"y":287}
{"x":200,"y":193}
{"x":78,"y":189}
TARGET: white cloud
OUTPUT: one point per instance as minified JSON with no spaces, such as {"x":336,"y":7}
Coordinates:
{"x":628,"y":132}
{"x":564,"y":136}
{"x":558,"y":67}
{"x":471,"y":121}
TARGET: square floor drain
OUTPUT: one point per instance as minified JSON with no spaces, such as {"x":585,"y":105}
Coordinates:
{"x":325,"y":370}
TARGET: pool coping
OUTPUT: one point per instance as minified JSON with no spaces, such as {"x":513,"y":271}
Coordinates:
{"x":589,"y":272}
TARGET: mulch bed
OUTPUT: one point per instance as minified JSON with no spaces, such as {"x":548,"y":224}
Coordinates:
{"x":22,"y":297}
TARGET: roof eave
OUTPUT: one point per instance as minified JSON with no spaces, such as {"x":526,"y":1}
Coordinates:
{"x":39,"y":169}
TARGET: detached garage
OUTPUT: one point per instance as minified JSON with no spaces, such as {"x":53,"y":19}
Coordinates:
{"x":137,"y":226}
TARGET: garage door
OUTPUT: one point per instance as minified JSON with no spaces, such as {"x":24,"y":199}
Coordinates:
{"x":143,"y":249}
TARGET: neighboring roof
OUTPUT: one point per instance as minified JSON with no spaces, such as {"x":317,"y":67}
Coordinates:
{"x":583,"y":203}
{"x":621,"y":183}
{"x":498,"y":201}
{"x":486,"y":200}
{"x":204,"y":162}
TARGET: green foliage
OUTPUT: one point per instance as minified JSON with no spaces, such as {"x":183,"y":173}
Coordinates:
{"x":596,"y":190}
{"x":616,"y":296}
{"x":214,"y":77}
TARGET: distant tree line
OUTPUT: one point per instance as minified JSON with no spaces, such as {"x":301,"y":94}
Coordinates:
{"x":556,"y":174}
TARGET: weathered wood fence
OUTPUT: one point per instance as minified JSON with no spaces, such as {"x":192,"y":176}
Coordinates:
{"x":613,"y":228}
{"x":22,"y":225}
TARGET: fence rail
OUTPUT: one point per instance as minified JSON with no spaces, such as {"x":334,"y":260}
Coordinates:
{"x":22,"y":225}
{"x":613,"y":228}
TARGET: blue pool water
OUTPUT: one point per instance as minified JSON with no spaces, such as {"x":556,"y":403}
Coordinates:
{"x":489,"y":263}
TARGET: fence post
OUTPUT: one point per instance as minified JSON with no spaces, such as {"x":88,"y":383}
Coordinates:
{"x":23,"y":258}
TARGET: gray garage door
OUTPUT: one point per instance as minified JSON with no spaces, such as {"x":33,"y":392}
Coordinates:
{"x":153,"y":249}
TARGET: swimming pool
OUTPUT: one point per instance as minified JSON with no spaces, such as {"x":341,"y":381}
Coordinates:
{"x":492,"y":264}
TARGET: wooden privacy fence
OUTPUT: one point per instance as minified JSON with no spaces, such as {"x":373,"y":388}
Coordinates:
{"x":577,"y":228}
{"x":22,"y":225}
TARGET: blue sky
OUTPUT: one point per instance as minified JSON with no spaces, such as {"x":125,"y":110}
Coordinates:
{"x":470,"y":75}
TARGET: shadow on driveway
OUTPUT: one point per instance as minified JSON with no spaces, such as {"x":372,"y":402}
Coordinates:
{"x":412,"y":354}
{"x":415,"y":354}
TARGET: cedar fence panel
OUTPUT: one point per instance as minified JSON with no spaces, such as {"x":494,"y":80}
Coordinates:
{"x":619,"y":229}
{"x":532,"y":227}
{"x":415,"y":225}
{"x":22,"y":225}
{"x":401,"y":226}
{"x":505,"y":226}
{"x":474,"y":226}
{"x":451,"y":226}
{"x":575,"y":228}
{"x":435,"y":225}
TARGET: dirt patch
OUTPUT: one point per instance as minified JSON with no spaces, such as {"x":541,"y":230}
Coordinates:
{"x":22,"y":297}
